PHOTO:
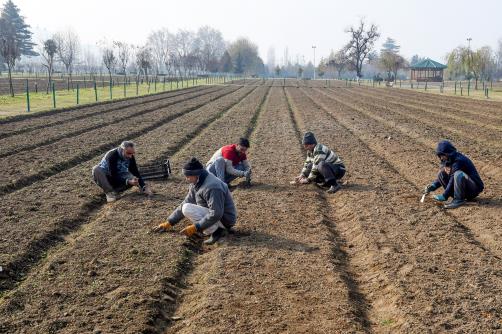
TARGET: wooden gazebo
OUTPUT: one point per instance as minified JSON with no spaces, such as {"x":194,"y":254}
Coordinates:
{"x":427,"y":70}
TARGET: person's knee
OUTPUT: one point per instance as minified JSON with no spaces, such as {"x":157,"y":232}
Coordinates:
{"x":458,"y":176}
{"x":185,"y":208}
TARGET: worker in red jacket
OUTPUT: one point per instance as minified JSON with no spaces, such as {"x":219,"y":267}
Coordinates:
{"x":230,"y":162}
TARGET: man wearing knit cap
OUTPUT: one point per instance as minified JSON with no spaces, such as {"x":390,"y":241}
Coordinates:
{"x":458,"y":177}
{"x":230,"y":162}
{"x":322,"y":165}
{"x":208,"y":205}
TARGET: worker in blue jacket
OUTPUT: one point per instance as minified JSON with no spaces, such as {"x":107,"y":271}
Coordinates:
{"x":458,"y":177}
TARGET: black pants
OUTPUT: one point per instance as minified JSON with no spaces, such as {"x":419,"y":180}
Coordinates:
{"x":331,"y":172}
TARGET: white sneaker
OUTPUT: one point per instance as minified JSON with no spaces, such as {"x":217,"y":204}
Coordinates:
{"x":111,"y":197}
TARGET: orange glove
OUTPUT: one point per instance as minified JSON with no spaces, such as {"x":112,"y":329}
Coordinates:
{"x":163,"y":227}
{"x":189,"y":230}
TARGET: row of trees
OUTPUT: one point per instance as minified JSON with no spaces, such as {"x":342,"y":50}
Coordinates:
{"x":183,"y":53}
{"x":481,"y":64}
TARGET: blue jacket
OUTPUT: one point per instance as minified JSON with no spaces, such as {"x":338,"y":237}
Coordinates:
{"x":119,"y":168}
{"x":458,"y":162}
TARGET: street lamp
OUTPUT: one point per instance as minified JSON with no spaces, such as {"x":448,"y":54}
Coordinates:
{"x":313,"y":47}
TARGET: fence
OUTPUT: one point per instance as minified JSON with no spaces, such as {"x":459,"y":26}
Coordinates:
{"x":94,"y":91}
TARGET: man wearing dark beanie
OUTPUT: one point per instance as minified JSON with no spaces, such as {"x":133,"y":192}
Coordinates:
{"x":230,"y":162}
{"x":322,"y":165}
{"x":208,"y":205}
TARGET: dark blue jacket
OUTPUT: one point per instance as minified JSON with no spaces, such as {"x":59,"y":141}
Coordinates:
{"x":119,"y":168}
{"x":459,"y":162}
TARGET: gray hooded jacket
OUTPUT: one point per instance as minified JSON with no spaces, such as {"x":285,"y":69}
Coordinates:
{"x":213,"y":194}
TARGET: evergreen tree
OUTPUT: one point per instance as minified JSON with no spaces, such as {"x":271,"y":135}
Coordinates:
{"x":226,"y":63}
{"x":11,"y":13}
{"x":15,"y":38}
{"x":239,"y":64}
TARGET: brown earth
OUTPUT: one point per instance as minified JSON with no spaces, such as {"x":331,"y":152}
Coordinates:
{"x":369,"y":259}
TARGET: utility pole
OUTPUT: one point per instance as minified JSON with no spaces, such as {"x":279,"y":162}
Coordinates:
{"x":469,"y":39}
{"x":313,"y":47}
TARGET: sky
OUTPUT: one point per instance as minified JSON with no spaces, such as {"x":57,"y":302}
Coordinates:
{"x":429,"y":28}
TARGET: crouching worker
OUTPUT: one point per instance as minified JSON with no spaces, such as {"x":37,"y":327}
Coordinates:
{"x":208,"y":205}
{"x":458,"y":177}
{"x":322,"y":165}
{"x":230,"y":162}
{"x":118,"y":171}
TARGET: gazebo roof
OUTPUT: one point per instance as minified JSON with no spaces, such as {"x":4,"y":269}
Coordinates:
{"x":428,"y":64}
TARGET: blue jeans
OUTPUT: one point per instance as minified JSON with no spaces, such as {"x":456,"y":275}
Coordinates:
{"x":218,"y":169}
{"x":463,"y":187}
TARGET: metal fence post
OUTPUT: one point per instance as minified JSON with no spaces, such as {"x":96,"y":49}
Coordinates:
{"x":111,"y":90}
{"x":95,"y":91}
{"x":78,"y":94}
{"x":54,"y":95}
{"x":27,"y":96}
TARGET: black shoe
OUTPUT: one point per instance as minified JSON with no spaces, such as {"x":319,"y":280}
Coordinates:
{"x":334,"y":189}
{"x":217,"y":235}
{"x":454,"y":204}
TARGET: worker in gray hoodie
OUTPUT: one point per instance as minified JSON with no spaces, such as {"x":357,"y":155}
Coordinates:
{"x":208,"y":205}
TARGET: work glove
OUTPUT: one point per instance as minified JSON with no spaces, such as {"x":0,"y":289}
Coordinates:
{"x":439,"y":198}
{"x":189,"y":230}
{"x":163,"y":227}
{"x":429,"y":188}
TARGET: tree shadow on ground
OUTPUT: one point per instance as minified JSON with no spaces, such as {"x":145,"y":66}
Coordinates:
{"x":265,"y":240}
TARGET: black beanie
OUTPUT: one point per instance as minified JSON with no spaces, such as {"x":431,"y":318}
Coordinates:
{"x":193,"y":167}
{"x":244,"y":142}
{"x":309,"y":138}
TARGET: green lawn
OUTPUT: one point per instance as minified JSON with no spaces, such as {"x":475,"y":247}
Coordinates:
{"x":39,"y":102}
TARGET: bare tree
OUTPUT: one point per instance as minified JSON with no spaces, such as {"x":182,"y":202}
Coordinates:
{"x":184,"y":47}
{"x":90,"y":61}
{"x":48,"y":51}
{"x":211,"y":47}
{"x":144,"y":60}
{"x":391,"y":63}
{"x":68,"y":46}
{"x":499,"y":58}
{"x":339,"y":61}
{"x":109,"y":60}
{"x":360,"y":45}
{"x":123,"y":55}
{"x":160,"y":43}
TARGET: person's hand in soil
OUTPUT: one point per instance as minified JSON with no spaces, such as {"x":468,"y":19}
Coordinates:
{"x":304,"y":180}
{"x":147,"y":190}
{"x":189,"y":231}
{"x":133,"y":182}
{"x":164,"y":227}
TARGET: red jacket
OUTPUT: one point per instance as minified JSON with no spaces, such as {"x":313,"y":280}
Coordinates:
{"x":229,"y":152}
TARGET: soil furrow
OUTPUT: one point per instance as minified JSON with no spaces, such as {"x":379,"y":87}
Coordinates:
{"x":425,"y":252}
{"x":26,"y":123}
{"x":469,"y":117}
{"x":127,"y":267}
{"x":460,"y":102}
{"x":293,"y":286}
{"x":20,"y":253}
{"x":42,"y":137}
{"x":482,"y":137}
{"x":65,"y":154}
{"x":373,"y":282}
{"x":485,"y":232}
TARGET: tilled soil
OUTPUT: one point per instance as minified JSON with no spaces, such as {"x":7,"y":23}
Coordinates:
{"x":369,"y":259}
{"x":68,"y":152}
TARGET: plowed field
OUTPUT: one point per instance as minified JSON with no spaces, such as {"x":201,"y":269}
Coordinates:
{"x":368,"y":259}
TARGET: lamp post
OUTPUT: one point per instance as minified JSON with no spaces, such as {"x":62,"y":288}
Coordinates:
{"x":469,"y":39}
{"x":313,"y":47}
